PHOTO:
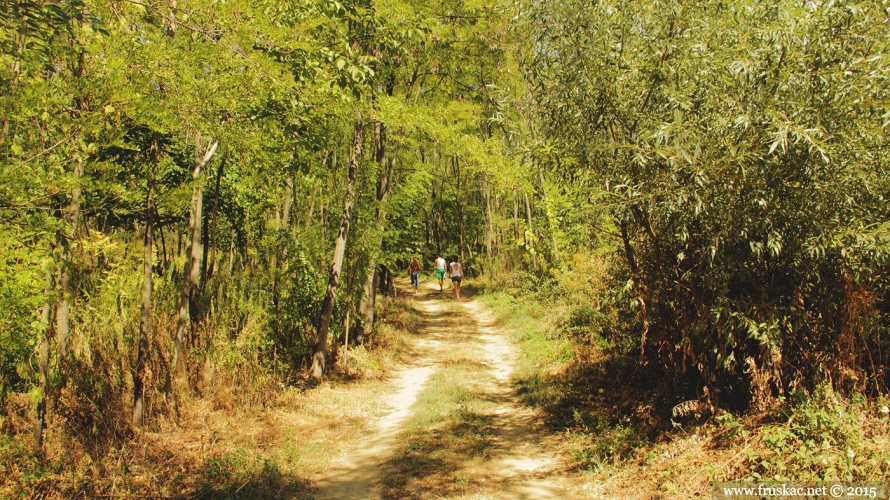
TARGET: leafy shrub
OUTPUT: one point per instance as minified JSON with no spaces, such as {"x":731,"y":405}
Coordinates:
{"x":747,"y":206}
{"x":598,"y":443}
{"x":826,"y":438}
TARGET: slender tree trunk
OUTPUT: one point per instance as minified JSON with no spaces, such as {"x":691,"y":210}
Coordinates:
{"x":460,"y":211}
{"x":210,"y":244}
{"x":531,"y":231}
{"x":316,"y":371}
{"x":637,"y":285}
{"x":63,"y":312}
{"x":288,"y":203}
{"x":142,"y":350}
{"x":164,"y":267}
{"x":178,"y":243}
{"x":43,"y":365}
{"x":142,"y":353}
{"x":550,"y":215}
{"x":316,"y":192}
{"x":489,"y":232}
{"x":384,"y":184}
{"x":231,"y":258}
{"x":346,"y":326}
{"x":437,"y":220}
{"x":282,"y":222}
{"x":188,"y":297}
{"x":515,"y":216}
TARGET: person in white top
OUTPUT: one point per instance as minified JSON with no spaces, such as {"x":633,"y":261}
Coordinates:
{"x":457,"y":274}
{"x":440,"y":270}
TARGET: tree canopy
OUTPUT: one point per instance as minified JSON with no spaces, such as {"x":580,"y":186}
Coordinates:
{"x":178,"y":176}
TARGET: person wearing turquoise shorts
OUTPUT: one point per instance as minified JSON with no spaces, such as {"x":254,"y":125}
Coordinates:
{"x":440,"y":270}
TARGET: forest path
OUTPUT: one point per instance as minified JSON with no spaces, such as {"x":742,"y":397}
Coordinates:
{"x":456,"y":428}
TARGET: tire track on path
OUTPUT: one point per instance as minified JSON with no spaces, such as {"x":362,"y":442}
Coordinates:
{"x":520,"y":465}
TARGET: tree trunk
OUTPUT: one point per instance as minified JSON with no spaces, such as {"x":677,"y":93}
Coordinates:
{"x":145,"y":320}
{"x":188,"y":296}
{"x":515,"y":216}
{"x":210,"y":243}
{"x":550,"y":216}
{"x":43,"y":365}
{"x":164,"y":266}
{"x":288,"y":203}
{"x":63,"y":312}
{"x":282,"y":222}
{"x":460,"y":212}
{"x":531,"y":231}
{"x":316,"y":371}
{"x":489,"y":232}
{"x":437,"y":219}
{"x":384,"y":185}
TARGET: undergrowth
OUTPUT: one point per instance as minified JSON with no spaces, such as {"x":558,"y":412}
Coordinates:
{"x":616,"y":420}
{"x":250,"y":431}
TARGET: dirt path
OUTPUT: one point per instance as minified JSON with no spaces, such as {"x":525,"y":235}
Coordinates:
{"x":517,"y":464}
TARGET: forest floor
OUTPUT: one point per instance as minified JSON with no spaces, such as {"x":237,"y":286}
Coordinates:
{"x":433,"y":414}
{"x":455,"y":427}
{"x":476,"y":399}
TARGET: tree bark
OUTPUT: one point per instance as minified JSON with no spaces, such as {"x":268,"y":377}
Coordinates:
{"x":43,"y":365}
{"x":515,"y":216}
{"x":164,"y":262}
{"x":460,"y":211}
{"x":531,"y":230}
{"x":210,"y":245}
{"x":550,"y":217}
{"x":489,"y":232}
{"x":288,"y":203}
{"x":437,"y":219}
{"x":282,"y":222}
{"x":384,"y":186}
{"x":63,"y":312}
{"x":142,"y":353}
{"x":316,"y":371}
{"x":188,"y":296}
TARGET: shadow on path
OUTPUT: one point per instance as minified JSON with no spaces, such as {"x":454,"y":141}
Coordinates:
{"x":483,"y":441}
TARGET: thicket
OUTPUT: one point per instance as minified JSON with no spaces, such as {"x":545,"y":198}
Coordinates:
{"x":734,"y":155}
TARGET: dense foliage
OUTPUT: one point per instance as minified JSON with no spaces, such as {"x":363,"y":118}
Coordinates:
{"x":173,"y":180}
{"x":708,"y":181}
{"x":737,"y":152}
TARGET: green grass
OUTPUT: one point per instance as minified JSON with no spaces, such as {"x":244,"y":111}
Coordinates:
{"x":541,"y":350}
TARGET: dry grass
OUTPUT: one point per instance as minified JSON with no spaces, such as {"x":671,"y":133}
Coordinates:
{"x":219,"y":446}
{"x":269,"y":452}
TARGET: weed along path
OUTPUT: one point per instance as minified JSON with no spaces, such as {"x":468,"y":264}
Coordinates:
{"x":455,"y":428}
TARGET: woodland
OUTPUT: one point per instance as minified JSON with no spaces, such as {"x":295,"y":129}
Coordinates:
{"x":206,"y":193}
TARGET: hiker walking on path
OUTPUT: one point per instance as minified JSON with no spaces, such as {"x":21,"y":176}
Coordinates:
{"x":414,"y":269}
{"x":440,"y":270}
{"x":457,"y":274}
